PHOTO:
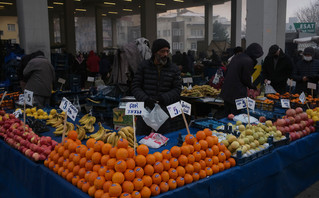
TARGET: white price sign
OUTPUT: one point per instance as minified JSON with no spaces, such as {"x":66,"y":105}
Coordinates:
{"x":188,"y":80}
{"x":72,"y":112}
{"x":240,"y":103}
{"x":17,"y":113}
{"x":134,"y":108}
{"x":28,"y":96}
{"x":285,"y":103}
{"x":187,"y":108}
{"x":311,"y":85}
{"x":302,"y":98}
{"x":61,"y":80}
{"x":64,"y":105}
{"x":251,"y":103}
{"x":90,"y":79}
{"x":174,"y":109}
{"x":291,"y":83}
{"x":21,"y":98}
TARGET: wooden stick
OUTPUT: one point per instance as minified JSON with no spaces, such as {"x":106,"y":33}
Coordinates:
{"x":307,"y":105}
{"x":64,"y":127}
{"x":247,"y":111}
{"x":312,"y":93}
{"x":186,"y":124}
{"x":290,"y":85}
{"x":24,"y":116}
{"x":134,"y":138}
{"x":4,"y":94}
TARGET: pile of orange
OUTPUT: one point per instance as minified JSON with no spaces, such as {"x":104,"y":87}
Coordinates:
{"x":103,"y":171}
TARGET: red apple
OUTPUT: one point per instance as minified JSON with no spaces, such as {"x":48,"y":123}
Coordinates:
{"x":231,"y":116}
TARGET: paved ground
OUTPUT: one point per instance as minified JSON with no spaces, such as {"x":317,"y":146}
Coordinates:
{"x":311,"y":192}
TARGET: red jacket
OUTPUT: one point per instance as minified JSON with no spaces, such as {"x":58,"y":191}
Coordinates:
{"x":93,"y":62}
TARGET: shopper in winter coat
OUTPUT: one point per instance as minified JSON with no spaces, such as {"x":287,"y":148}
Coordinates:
{"x":157,"y":80}
{"x":39,"y":75}
{"x":306,"y":70}
{"x":238,"y":77}
{"x":93,"y":63}
{"x":277,"y":68}
{"x":79,"y":68}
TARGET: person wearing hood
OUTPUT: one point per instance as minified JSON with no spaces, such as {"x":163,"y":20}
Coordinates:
{"x":93,"y":62}
{"x":277,"y":68}
{"x":238,"y":77}
{"x":306,"y":70}
{"x":157,"y":80}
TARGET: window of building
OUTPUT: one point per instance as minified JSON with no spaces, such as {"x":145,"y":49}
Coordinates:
{"x":193,"y":46}
{"x":181,"y":32}
{"x":158,"y":33}
{"x":11,"y":27}
{"x":175,"y":45}
{"x":181,"y":46}
{"x":13,"y":41}
{"x":175,"y":32}
{"x":166,"y":33}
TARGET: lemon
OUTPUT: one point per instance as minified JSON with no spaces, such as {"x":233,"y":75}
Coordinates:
{"x":45,"y":117}
{"x":315,"y":118}
{"x":27,"y":111}
{"x":53,"y":111}
{"x":34,"y":109}
{"x":35,"y":116}
{"x":50,"y":116}
{"x":62,"y":113}
{"x":29,"y":114}
{"x":40,"y":117}
{"x":40,"y":112}
{"x":309,"y":111}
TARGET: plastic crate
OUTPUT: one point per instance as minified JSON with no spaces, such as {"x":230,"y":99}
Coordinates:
{"x":240,"y":160}
{"x":206,"y":123}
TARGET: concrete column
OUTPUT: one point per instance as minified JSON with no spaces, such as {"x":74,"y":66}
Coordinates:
{"x":51,"y":28}
{"x":99,"y":30}
{"x":208,"y":23}
{"x":236,"y":11}
{"x":281,"y":23}
{"x":69,"y":26}
{"x":148,"y":20}
{"x":114,"y":32}
{"x":62,"y":28}
{"x":34,"y":26}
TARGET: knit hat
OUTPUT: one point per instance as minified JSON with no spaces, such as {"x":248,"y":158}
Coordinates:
{"x":273,"y":49}
{"x":254,"y":50}
{"x":309,"y":51}
{"x":159,"y":44}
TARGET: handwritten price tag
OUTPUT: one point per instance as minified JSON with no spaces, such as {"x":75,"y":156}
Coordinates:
{"x":174,"y":109}
{"x":311,"y":85}
{"x":302,"y":98}
{"x":61,"y":80}
{"x":187,"y":108}
{"x":240,"y":103}
{"x":17,"y":113}
{"x":90,"y":79}
{"x":134,"y":108}
{"x":28,"y":96}
{"x":72,"y":112}
{"x":251,"y":103}
{"x":188,"y":80}
{"x":285,"y":103}
{"x":64,"y":105}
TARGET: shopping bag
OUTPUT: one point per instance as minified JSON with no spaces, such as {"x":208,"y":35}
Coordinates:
{"x":155,"y":118}
{"x":269,"y":89}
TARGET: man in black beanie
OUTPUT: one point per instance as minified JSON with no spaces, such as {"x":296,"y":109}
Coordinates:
{"x":157,"y":80}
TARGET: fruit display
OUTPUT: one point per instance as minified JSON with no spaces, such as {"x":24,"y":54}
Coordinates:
{"x":124,"y":133}
{"x":101,"y":134}
{"x":39,"y":113}
{"x":102,"y":170}
{"x":57,"y":121}
{"x":296,"y":123}
{"x":88,"y":123}
{"x":200,"y":91}
{"x":313,"y":114}
{"x":24,"y":139}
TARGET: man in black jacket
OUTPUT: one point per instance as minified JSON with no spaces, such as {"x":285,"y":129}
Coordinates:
{"x":157,"y":80}
{"x":238,"y":77}
{"x":277,"y":68}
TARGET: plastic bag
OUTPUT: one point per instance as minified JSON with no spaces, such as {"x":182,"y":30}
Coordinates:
{"x":154,"y":140}
{"x":155,"y":118}
{"x":269,"y":89}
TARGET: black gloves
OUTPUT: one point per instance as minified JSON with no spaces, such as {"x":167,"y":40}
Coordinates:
{"x":150,"y":103}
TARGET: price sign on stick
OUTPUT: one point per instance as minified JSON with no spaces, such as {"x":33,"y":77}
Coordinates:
{"x":72,"y":112}
{"x":4,"y":95}
{"x":240,"y":103}
{"x":251,"y":103}
{"x":90,"y":79}
{"x":17,"y":113}
{"x":285,"y":103}
{"x":188,"y":80}
{"x":174,"y":109}
{"x":134,"y":108}
{"x":64,"y":105}
{"x":28,"y":97}
{"x":311,"y":85}
{"x":187,"y":108}
{"x":302,"y":98}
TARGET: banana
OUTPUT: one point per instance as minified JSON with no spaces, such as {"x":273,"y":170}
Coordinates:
{"x":98,"y":133}
{"x":130,"y":129}
{"x":85,"y":120}
{"x":126,"y":132}
{"x":122,"y":134}
{"x":57,"y":123}
{"x":111,"y":138}
{"x":116,"y":139}
{"x":100,"y":136}
{"x":82,"y":132}
{"x":84,"y":117}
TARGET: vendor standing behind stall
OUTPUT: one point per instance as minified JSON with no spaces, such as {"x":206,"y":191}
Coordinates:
{"x":238,"y":77}
{"x":157,"y":80}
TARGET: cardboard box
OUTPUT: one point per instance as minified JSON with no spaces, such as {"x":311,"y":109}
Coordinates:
{"x":119,"y":118}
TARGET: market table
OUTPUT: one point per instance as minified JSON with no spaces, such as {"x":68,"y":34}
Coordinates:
{"x":285,"y":172}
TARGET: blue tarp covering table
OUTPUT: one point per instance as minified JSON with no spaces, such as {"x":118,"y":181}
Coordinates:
{"x":285,"y":172}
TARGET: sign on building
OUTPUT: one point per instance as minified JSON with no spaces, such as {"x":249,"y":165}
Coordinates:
{"x":306,"y":27}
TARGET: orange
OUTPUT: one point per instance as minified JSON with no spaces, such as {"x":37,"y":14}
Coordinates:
{"x":98,"y":193}
{"x":227,"y":153}
{"x":96,"y":168}
{"x":118,"y":177}
{"x":130,"y":163}
{"x":90,"y":143}
{"x":89,"y":165}
{"x":147,"y":180}
{"x":131,"y":152}
{"x":158,"y":156}
{"x":87,"y":175}
{"x":71,"y":156}
{"x":180,"y":181}
{"x":81,"y":172}
{"x":72,"y":147}
{"x":80,"y":183}
{"x":202,"y":154}
{"x":99,"y":182}
{"x":232,"y":161}
{"x":129,"y":175}
{"x":195,"y":176}
{"x":89,"y":153}
{"x":209,"y":171}
{"x":139,"y":172}
{"x":210,"y":141}
{"x":78,"y":142}
{"x":190,"y":139}
{"x":166,"y":164}
{"x":69,"y":177}
{"x":172,"y":184}
{"x":215,"y":140}
{"x":65,"y":172}
{"x":209,"y":162}
{"x":113,"y":152}
{"x":145,"y":192}
{"x":104,"y":160}
{"x":76,"y":169}
{"x":202,"y":164}
{"x":122,"y":143}
{"x":72,"y":135}
{"x":157,"y":179}
{"x":85,"y":187}
{"x":197,"y":146}
{"x":56,"y":168}
{"x":155,"y":190}
{"x":121,"y":154}
{"x":173,"y":162}
{"x":166,"y":154}
{"x":221,"y":167}
{"x":61,"y":150}
{"x":209,"y":152}
{"x":158,"y":167}
{"x":60,"y":170}
{"x":120,"y":166}
{"x":111,"y":163}
{"x":98,"y":145}
{"x":191,"y":148}
{"x":105,"y":195}
{"x":96,"y":157}
{"x":185,"y":150}
{"x":109,"y":174}
{"x":70,"y":166}
{"x":128,"y":187}
{"x":140,"y":160}
{"x":207,"y":132}
{"x":202,"y":174}
{"x":106,"y":186}
{"x":115,"y":190}
{"x":46,"y":162}
{"x":221,"y":146}
{"x":221,"y":156}
{"x":203,"y":144}
{"x":83,"y":151}
{"x":142,"y":150}
{"x":53,"y":152}
{"x":181,"y":171}
{"x":191,"y":159}
{"x":182,"y":160}
{"x":227,"y":164}
{"x":60,"y":161}
{"x":92,"y":176}
{"x":149,"y":170}
{"x":138,"y":184}
{"x":125,"y":195}
{"x":92,"y":191}
{"x":176,"y":151}
{"x":215,"y":149}
{"x":165,"y":176}
{"x":56,"y":158}
{"x":197,"y":156}
{"x":173,"y":173}
{"x":215,"y":160}
{"x":150,"y":159}
{"x":164,"y":187}
{"x":189,"y":168}
{"x":82,"y":162}
{"x":200,"y":135}
{"x":197,"y":167}
{"x":215,"y":168}
{"x":105,"y":149}
{"x":136,"y":194}
{"x":188,"y":178}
